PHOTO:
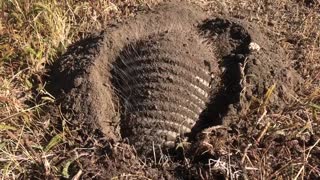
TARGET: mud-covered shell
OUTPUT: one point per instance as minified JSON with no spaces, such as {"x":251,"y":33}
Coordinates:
{"x":164,"y":85}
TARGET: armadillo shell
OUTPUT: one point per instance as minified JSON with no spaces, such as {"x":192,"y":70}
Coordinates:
{"x":163,"y":90}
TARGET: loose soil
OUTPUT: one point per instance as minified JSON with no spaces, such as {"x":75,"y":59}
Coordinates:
{"x":165,"y":93}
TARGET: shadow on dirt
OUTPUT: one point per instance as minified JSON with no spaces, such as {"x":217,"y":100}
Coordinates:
{"x":235,"y":42}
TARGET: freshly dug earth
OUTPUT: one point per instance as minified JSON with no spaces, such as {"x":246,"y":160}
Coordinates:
{"x":173,"y":77}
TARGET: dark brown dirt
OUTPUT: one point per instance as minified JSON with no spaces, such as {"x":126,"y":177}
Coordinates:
{"x":166,"y":76}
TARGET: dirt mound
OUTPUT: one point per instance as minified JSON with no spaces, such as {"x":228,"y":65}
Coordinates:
{"x":166,"y":75}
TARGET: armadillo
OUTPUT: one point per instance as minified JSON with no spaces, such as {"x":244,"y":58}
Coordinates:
{"x":164,"y":84}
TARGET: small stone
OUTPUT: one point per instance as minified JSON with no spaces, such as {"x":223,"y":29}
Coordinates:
{"x":254,"y":47}
{"x":77,"y":82}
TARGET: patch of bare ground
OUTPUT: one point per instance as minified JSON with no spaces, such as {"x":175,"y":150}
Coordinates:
{"x":272,"y":131}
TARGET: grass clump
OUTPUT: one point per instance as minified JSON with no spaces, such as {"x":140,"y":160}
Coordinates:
{"x":32,"y":34}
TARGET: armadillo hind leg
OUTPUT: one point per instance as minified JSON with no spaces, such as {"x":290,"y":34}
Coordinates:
{"x":164,"y":85}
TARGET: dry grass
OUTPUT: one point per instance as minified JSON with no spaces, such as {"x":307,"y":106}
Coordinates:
{"x":34,"y":32}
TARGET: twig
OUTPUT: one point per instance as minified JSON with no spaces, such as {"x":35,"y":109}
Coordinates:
{"x":263,"y":132}
{"x":78,"y":175}
{"x":21,"y":112}
{"x":245,"y":153}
